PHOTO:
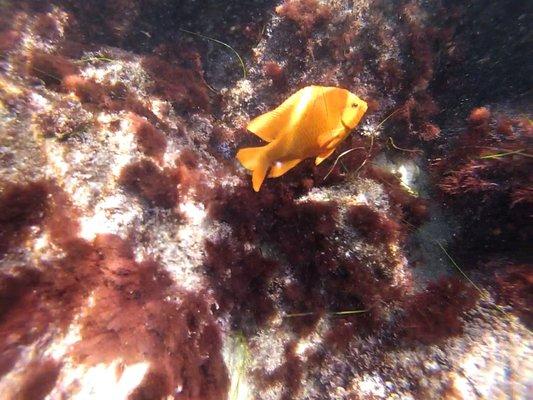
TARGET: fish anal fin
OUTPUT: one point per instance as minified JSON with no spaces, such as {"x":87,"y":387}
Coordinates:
{"x":281,"y":167}
{"x":322,"y":156}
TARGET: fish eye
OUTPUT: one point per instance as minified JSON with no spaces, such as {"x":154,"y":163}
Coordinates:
{"x":354,"y":105}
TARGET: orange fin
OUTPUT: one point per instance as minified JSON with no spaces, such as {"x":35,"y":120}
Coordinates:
{"x":321,"y":157}
{"x":259,"y":175}
{"x":266,"y":126}
{"x":280,"y":167}
{"x":249,"y":157}
{"x":253,"y":158}
{"x":328,"y":138}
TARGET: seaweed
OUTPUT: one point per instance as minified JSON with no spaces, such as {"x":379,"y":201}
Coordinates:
{"x":175,"y":335}
{"x":373,"y":225}
{"x":276,"y":73}
{"x":185,"y":88}
{"x":180,"y":338}
{"x":289,"y":374}
{"x":50,"y":68}
{"x":306,"y":14}
{"x":241,"y":279}
{"x":157,"y":186}
{"x":514,"y":284}
{"x":437,"y":312}
{"x":9,"y":38}
{"x":21,"y":207}
{"x":87,"y":90}
{"x":484,"y":179}
{"x":39,"y":380}
{"x":150,"y":140}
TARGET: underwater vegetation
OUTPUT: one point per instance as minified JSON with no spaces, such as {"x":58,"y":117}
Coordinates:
{"x":386,"y":258}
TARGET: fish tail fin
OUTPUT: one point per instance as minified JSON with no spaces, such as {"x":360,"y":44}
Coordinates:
{"x":253,"y":158}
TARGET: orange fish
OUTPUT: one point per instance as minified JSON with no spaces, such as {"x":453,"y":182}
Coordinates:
{"x":310,"y":123}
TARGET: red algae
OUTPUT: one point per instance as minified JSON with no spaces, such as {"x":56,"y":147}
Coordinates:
{"x":415,"y":114}
{"x":479,"y":116}
{"x":88,"y":91}
{"x":50,"y":68}
{"x":522,"y":195}
{"x":151,"y":141}
{"x":21,"y":206}
{"x":9,"y":38}
{"x":437,"y":312}
{"x":486,"y":175}
{"x":305,"y":13}
{"x":241,"y":279}
{"x":184,"y":87}
{"x":191,"y":179}
{"x":153,"y":184}
{"x":180,"y":338}
{"x":35,"y":299}
{"x":46,"y":26}
{"x":62,"y":219}
{"x":175,"y":336}
{"x":66,"y":119}
{"x":391,"y":72}
{"x":404,"y":206}
{"x":369,"y":288}
{"x":38,"y":380}
{"x":373,"y":225}
{"x":189,"y":158}
{"x":62,"y":74}
{"x":289,"y":374}
{"x":276,"y":73}
{"x":310,"y":252}
{"x":514,"y":285}
{"x":282,"y":254}
{"x":321,"y":280}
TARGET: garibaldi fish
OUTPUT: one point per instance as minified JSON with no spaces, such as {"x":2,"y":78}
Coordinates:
{"x":310,"y":123}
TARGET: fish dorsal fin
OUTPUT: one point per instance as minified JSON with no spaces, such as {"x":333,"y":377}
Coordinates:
{"x":269,"y":125}
{"x":266,"y":126}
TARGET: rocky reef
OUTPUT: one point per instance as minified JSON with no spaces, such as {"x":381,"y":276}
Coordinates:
{"x":137,"y":262}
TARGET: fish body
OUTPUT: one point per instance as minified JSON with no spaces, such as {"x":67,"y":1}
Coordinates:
{"x":310,"y":123}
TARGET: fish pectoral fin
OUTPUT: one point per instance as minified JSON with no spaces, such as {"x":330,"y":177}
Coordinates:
{"x":280,"y":167}
{"x":332,"y":136}
{"x":321,"y":157}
